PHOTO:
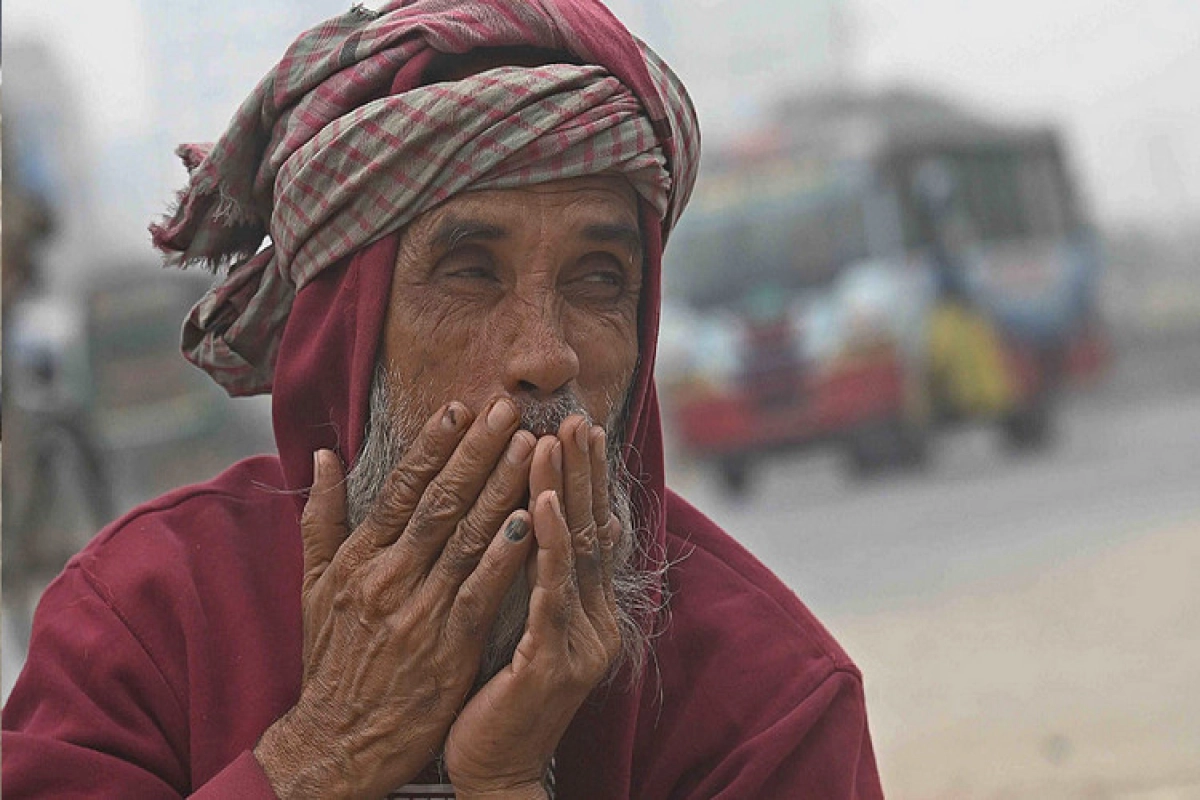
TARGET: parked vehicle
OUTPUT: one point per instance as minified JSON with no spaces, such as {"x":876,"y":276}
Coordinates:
{"x":870,"y":268}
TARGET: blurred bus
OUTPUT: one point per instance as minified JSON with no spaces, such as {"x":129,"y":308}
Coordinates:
{"x":806,"y":289}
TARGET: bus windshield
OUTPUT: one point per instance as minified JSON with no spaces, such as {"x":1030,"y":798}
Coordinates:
{"x":1007,"y":194}
{"x":719,"y":255}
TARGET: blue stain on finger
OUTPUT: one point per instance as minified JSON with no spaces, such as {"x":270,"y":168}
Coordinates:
{"x":517,"y":529}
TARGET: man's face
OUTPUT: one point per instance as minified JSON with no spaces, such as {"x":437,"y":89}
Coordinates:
{"x":529,"y":292}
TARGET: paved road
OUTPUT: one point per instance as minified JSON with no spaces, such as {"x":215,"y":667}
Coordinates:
{"x":1028,"y":627}
{"x":979,"y":511}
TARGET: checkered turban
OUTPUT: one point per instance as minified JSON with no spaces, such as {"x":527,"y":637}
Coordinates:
{"x":327,"y":155}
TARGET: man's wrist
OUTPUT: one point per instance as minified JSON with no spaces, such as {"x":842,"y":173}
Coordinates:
{"x":297,"y":764}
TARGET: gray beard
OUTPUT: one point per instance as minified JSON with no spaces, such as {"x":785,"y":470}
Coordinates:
{"x":397,"y":414}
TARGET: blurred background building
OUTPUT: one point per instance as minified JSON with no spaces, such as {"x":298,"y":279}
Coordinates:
{"x":1026,"y":624}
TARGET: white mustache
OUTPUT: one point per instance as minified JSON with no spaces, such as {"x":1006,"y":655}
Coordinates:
{"x":542,"y":418}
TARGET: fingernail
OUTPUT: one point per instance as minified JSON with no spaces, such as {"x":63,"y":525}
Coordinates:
{"x":554,"y":503}
{"x":601,"y":439}
{"x":519,"y":448}
{"x":452,"y":417}
{"x":556,"y":456}
{"x":517,"y":529}
{"x":581,"y":436}
{"x":502,"y":415}
{"x":316,"y":466}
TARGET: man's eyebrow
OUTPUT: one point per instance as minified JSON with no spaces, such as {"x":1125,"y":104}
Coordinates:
{"x":452,"y":232}
{"x":618,"y":232}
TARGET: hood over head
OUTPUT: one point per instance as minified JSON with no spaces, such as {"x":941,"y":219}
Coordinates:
{"x":354,"y":134}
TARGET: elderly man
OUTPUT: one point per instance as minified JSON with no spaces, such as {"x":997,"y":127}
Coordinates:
{"x":466,"y":203}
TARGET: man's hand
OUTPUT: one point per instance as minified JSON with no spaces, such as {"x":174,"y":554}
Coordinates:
{"x":503,"y":740}
{"x":396,"y":612}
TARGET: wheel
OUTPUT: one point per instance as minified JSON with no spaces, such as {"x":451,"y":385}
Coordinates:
{"x":1030,"y":428}
{"x":869,"y":450}
{"x":913,"y":446}
{"x":886,"y":445}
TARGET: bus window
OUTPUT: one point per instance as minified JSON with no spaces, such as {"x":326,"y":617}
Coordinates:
{"x":1006,"y":194}
{"x":1047,"y":206}
{"x":791,"y":244}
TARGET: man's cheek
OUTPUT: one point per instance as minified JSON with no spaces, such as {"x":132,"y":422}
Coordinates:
{"x":607,"y":377}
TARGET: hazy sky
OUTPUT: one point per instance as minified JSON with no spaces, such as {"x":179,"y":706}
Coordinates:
{"x":1119,"y":76}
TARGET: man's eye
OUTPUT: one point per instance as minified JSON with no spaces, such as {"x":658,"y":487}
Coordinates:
{"x":606,"y":277}
{"x":469,"y":264}
{"x":598,"y":277}
{"x":471,"y":272}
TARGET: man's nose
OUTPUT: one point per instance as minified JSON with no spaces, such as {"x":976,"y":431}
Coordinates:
{"x":540,"y":359}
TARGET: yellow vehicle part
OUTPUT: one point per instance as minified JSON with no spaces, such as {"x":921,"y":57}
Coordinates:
{"x":967,"y":361}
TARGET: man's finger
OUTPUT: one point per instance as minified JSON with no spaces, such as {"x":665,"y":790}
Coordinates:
{"x":598,"y":451}
{"x":545,"y":475}
{"x":608,"y":532}
{"x":577,"y":481}
{"x":323,"y":521}
{"x":407,"y":482}
{"x":554,"y":592}
{"x":590,"y":577}
{"x":545,"y":472}
{"x":503,"y":491}
{"x":454,"y":490}
{"x":478,"y":599}
{"x":596,"y":594}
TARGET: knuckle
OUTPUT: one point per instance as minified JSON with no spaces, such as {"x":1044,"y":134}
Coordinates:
{"x":458,"y":562}
{"x":375,"y":592}
{"x":443,"y":500}
{"x":419,"y":464}
{"x":506,"y":482}
{"x":350,"y":558}
{"x":432,"y":446}
{"x":397,"y":626}
{"x":404,"y":485}
{"x":469,"y":612}
{"x":585,"y":539}
{"x":610,"y":530}
{"x":472,"y":537}
{"x":345,"y":599}
{"x":386,"y":517}
{"x":393,"y":505}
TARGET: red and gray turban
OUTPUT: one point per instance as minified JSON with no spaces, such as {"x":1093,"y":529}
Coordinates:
{"x":344,"y":142}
